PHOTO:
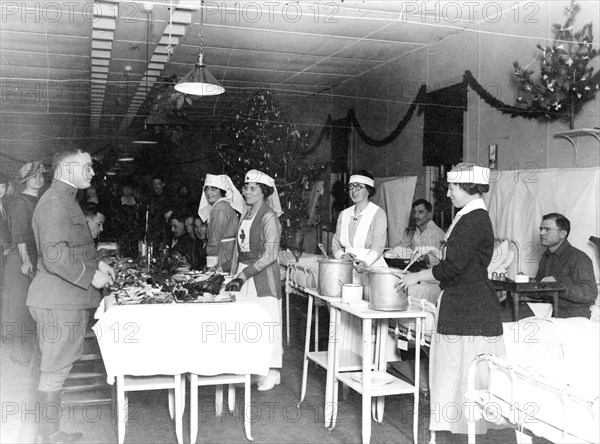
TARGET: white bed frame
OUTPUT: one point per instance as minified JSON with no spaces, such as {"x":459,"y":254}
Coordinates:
{"x":503,"y":400}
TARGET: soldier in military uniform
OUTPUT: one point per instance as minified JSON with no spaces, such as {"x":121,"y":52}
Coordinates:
{"x":62,"y":291}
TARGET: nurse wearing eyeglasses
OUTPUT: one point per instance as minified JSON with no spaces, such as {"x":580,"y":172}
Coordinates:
{"x":361,"y":231}
{"x":360,"y":237}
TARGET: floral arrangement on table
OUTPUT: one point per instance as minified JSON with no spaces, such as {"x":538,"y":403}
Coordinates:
{"x":566,"y":80}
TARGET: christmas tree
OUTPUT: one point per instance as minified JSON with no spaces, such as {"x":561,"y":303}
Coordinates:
{"x":565,"y":82}
{"x":259,"y":138}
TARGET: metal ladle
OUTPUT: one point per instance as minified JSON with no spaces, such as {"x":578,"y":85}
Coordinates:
{"x":322,"y":248}
{"x":412,"y":261}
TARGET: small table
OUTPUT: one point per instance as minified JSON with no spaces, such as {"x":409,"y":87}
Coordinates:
{"x":361,"y":380}
{"x":348,"y":361}
{"x":206,"y":339}
{"x":530,"y":292}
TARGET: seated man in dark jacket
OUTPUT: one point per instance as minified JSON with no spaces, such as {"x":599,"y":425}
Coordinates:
{"x":561,"y":262}
{"x":181,"y":244}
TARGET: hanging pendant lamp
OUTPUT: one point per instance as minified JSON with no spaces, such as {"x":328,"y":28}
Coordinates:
{"x":126,"y":157}
{"x":144,"y":138}
{"x":199,"y":81}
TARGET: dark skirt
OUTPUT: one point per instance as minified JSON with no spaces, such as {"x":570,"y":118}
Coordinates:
{"x":19,"y":329}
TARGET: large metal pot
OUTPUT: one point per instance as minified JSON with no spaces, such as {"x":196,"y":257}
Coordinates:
{"x":333,"y":274}
{"x":380,"y":291}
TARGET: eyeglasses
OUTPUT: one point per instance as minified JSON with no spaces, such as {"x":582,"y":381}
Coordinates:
{"x":355,"y":186}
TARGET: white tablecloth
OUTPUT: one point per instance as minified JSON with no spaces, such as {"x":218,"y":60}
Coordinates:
{"x":166,"y":339}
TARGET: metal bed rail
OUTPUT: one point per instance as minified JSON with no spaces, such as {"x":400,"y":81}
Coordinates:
{"x":484,"y":403}
{"x":297,"y":280}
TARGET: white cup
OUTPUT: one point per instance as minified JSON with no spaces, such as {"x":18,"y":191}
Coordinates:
{"x":521,"y":278}
{"x":211,"y":261}
{"x":351,"y":293}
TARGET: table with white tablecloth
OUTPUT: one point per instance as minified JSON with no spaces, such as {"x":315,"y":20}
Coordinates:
{"x":168,"y":339}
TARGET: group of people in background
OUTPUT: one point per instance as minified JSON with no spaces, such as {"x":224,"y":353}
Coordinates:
{"x":54,"y":276}
{"x":468,"y":316}
{"x":238,"y":232}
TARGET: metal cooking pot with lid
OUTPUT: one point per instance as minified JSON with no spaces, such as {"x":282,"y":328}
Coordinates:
{"x":380,"y":291}
{"x":333,"y":274}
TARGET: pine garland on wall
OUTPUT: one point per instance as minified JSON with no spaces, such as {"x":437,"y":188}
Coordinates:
{"x":566,"y":81}
{"x":258,"y":138}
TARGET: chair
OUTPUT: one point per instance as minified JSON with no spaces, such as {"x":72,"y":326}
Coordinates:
{"x":297,"y":279}
{"x":174,"y":383}
{"x":198,"y":380}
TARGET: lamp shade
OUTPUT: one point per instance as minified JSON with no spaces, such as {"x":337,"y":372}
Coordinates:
{"x":199,"y":82}
{"x":145,"y":138}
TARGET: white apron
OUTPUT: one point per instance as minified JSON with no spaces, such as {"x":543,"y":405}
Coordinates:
{"x":351,"y":326}
{"x":357,"y":246}
{"x":271,"y":304}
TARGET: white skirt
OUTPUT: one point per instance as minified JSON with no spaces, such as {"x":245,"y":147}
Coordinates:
{"x":449,"y":363}
{"x":273,"y":306}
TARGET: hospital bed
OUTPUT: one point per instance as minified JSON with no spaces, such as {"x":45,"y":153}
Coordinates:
{"x":547,"y":383}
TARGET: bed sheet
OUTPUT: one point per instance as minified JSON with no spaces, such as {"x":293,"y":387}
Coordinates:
{"x":543,"y":407}
{"x":565,"y":353}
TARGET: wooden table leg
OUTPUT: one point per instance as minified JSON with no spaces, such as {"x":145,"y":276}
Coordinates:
{"x":366,"y":382}
{"x":193,"y":408}
{"x":419,"y":335}
{"x":122,"y":412}
{"x":287,"y":304}
{"x":381,"y":365}
{"x":247,"y":408}
{"x":330,"y":403}
{"x":306,"y":349}
{"x":178,"y":409}
{"x":336,"y":383}
{"x":555,"y":296}
{"x":515,"y":305}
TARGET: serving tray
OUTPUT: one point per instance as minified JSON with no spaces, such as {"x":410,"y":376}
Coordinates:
{"x":210,"y":299}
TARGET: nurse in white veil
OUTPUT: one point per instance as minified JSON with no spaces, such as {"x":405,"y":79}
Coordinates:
{"x":220,"y":206}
